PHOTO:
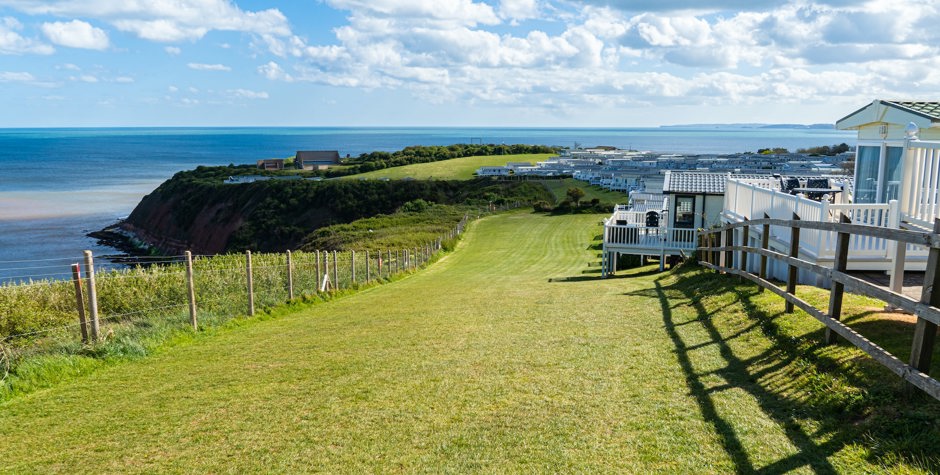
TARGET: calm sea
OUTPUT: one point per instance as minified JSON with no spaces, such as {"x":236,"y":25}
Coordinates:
{"x":58,"y":184}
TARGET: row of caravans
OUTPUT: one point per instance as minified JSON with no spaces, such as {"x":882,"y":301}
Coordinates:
{"x":895,"y":184}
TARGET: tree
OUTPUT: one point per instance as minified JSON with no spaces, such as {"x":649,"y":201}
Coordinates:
{"x":575,"y":194}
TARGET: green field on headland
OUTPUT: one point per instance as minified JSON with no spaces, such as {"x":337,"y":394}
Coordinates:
{"x":509,"y":355}
{"x":452,"y":169}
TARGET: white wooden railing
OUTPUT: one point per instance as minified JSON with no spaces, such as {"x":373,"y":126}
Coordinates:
{"x":749,"y":201}
{"x":920,"y":186}
{"x":643,"y":237}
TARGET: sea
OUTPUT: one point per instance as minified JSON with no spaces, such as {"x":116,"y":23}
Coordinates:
{"x":57,"y":185}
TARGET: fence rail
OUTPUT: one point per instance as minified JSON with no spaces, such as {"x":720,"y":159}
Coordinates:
{"x":720,"y":251}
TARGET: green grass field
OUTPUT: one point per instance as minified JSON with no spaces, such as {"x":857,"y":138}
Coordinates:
{"x":509,"y":355}
{"x":454,"y":169}
{"x":560,"y":189}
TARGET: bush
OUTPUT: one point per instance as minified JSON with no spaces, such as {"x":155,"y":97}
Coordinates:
{"x":415,"y":206}
{"x":542,"y":206}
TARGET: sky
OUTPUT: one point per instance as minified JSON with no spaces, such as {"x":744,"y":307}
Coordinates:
{"x":527,"y":63}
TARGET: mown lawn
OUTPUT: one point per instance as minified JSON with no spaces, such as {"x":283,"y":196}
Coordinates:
{"x":454,"y":169}
{"x":509,"y":355}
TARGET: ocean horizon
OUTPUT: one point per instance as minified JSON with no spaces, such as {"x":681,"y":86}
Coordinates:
{"x":58,"y":184}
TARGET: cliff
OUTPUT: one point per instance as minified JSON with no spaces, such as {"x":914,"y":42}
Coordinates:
{"x":197,"y":211}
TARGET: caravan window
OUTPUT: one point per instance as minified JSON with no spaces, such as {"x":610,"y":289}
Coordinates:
{"x":685,"y":212}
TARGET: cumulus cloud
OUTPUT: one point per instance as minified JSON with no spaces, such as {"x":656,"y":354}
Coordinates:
{"x":76,"y":34}
{"x":516,"y":10}
{"x":619,"y":53}
{"x":208,"y":67}
{"x":172,"y":50}
{"x":11,"y":42}
{"x":163,"y":20}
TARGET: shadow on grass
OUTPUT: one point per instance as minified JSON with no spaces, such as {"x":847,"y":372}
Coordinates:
{"x":795,"y":379}
{"x":595,"y":276}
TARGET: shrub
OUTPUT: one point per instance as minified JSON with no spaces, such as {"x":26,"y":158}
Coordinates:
{"x":542,"y":206}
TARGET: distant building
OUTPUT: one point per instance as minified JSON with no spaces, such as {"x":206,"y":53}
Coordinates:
{"x":271,"y":164}
{"x":316,"y":159}
{"x":493,"y":171}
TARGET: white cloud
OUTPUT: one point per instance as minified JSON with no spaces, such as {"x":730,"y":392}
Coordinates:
{"x":124,"y":80}
{"x":8,"y":76}
{"x":11,"y":42}
{"x":84,"y":78}
{"x":274,"y":72}
{"x":163,"y":20}
{"x":517,"y":10}
{"x":173,"y":89}
{"x":447,"y":12}
{"x":76,"y":34}
{"x":248,"y":94}
{"x":208,"y":67}
{"x":172,"y":50}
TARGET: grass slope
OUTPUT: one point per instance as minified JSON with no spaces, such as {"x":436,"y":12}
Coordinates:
{"x":506,"y":356}
{"x":454,"y":169}
{"x":559,"y":188}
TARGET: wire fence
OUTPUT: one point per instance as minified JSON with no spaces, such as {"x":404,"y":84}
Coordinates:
{"x":171,"y":292}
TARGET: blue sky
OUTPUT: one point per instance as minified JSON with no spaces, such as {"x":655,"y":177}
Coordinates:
{"x":614,"y":63}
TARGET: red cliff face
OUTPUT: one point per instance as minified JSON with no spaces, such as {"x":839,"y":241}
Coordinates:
{"x":155,"y":222}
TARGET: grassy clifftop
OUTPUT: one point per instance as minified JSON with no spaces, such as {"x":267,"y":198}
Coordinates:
{"x":509,"y":355}
{"x":196,"y":210}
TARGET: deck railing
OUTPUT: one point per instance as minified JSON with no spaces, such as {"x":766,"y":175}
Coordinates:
{"x":920,"y":185}
{"x":726,"y":249}
{"x":746,"y":200}
{"x":643,"y":237}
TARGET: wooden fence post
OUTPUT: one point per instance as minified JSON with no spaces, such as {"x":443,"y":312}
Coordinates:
{"x":251,"y":284}
{"x":729,"y":254}
{"x":336,"y":270}
{"x":80,"y":300}
{"x":290,"y":276}
{"x":793,"y":271}
{"x":92,"y":295}
{"x":764,"y":245}
{"x":388,"y":263}
{"x":925,"y":332}
{"x":327,"y":283}
{"x":700,"y":240}
{"x":712,"y":253}
{"x":352,"y":267}
{"x":745,"y":236}
{"x":319,"y":273}
{"x":368,"y":268}
{"x":838,"y":289}
{"x":191,"y":288}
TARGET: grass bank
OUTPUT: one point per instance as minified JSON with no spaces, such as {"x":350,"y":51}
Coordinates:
{"x":453,"y":169}
{"x":509,"y":355}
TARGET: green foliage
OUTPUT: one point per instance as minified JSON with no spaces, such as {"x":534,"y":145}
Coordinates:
{"x":403,"y":230}
{"x":275,"y":215}
{"x":542,"y":206}
{"x":826,"y":150}
{"x":575,"y":195}
{"x":415,"y":206}
{"x":773,"y":151}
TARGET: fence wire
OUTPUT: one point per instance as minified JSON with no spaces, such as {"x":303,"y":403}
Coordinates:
{"x":152,"y":292}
